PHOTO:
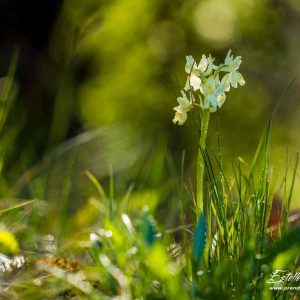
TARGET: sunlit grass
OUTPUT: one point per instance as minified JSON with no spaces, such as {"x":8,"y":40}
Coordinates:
{"x":144,"y":242}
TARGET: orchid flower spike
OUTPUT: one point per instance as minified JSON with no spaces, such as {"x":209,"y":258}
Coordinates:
{"x":203,"y":82}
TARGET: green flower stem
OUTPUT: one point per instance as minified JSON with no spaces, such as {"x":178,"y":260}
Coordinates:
{"x":200,"y":163}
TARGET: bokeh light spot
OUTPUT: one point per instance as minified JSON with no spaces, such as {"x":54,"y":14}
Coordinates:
{"x":215,"y":22}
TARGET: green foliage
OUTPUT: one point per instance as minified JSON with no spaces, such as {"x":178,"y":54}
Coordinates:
{"x":111,"y":249}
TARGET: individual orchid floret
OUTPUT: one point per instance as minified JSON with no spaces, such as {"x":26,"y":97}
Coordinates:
{"x":231,"y":63}
{"x":193,"y":82}
{"x":231,"y":66}
{"x":185,"y":105}
{"x":197,"y":71}
{"x":203,"y":64}
{"x":233,"y":78}
{"x":214,"y":94}
{"x":191,"y":67}
{"x":190,"y":64}
{"x":210,"y":65}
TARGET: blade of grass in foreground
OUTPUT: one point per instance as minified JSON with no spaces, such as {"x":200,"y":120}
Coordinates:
{"x":265,"y":139}
{"x":16,"y":206}
{"x":96,"y":184}
{"x":67,"y":187}
{"x":7,"y":92}
{"x":289,"y":198}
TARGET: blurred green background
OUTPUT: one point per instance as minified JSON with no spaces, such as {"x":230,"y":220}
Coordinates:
{"x":89,"y":64}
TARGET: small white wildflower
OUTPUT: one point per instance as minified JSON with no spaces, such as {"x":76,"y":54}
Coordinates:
{"x":191,"y":67}
{"x":221,"y":88}
{"x":194,"y":82}
{"x":234,"y":78}
{"x":210,"y":66}
{"x":214,"y":93}
{"x":185,"y":105}
{"x":203,"y":64}
{"x":94,"y":237}
{"x":232,"y":65}
{"x":190,"y":64}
